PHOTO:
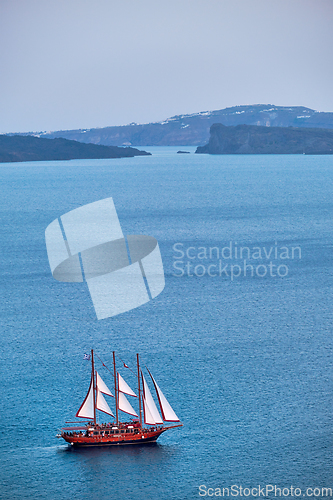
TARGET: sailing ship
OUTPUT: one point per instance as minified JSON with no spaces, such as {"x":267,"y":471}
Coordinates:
{"x":144,"y":427}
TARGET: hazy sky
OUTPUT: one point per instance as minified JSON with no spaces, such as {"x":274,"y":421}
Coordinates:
{"x":92,"y":63}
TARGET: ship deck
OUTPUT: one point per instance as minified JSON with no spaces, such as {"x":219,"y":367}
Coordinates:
{"x":111,"y":434}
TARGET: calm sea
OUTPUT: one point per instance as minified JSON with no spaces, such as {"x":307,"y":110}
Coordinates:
{"x":243,"y":354}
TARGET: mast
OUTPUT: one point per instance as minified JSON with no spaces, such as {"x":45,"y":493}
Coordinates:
{"x":140,"y":411}
{"x":115,"y":385}
{"x":93,"y":378}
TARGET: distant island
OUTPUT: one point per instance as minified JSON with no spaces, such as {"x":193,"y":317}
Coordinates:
{"x":252,"y":139}
{"x":193,"y":129}
{"x":18,"y":148}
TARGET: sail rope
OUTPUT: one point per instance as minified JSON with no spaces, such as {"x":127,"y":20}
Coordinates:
{"x":125,"y":365}
{"x":104,"y":365}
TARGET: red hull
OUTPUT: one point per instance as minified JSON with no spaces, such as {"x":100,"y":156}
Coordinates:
{"x":111,"y":435}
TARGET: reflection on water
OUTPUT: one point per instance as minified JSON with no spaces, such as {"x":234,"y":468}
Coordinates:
{"x":146,"y":454}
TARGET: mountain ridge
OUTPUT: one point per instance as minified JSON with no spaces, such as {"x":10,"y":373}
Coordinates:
{"x":193,"y":129}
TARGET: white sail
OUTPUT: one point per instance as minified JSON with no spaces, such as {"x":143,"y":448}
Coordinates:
{"x":124,"y":387}
{"x":102,"y":386}
{"x":148,"y":418}
{"x":101,"y":404}
{"x":150,"y":402}
{"x":124,"y":405}
{"x":86,"y":410}
{"x":167,"y":412}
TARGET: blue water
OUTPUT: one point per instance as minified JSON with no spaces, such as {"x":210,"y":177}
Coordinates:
{"x":246,"y":363}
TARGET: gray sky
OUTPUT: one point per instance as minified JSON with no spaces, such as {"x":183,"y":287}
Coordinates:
{"x":81,"y":64}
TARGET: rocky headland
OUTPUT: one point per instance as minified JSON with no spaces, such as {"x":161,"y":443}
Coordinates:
{"x":252,"y":139}
{"x":18,"y":148}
